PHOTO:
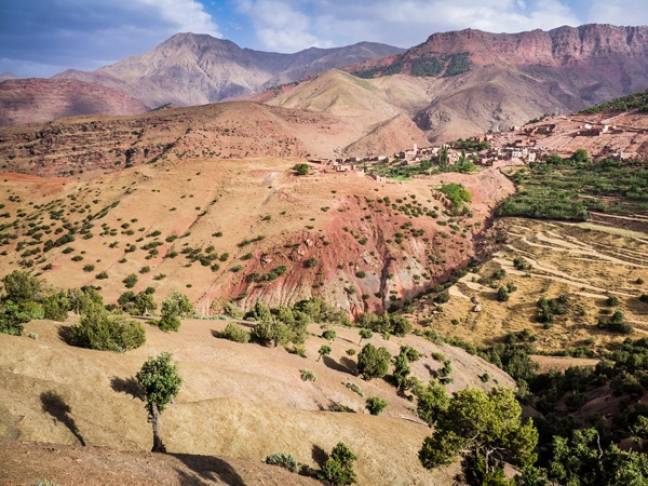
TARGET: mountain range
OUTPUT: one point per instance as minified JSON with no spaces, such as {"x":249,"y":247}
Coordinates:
{"x":193,"y":69}
{"x":455,"y":84}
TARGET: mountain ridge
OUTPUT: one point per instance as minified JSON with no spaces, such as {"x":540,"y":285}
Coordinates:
{"x":194,"y":69}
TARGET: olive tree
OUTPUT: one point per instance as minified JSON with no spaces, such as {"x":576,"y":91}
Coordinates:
{"x":487,"y":429}
{"x":373,"y":362}
{"x":161,"y":382}
{"x":174,"y":307}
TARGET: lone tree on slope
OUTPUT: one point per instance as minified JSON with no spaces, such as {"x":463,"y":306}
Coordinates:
{"x":161,"y":383}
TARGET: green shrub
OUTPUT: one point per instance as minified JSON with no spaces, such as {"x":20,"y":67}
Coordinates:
{"x":375,"y":405}
{"x":101,"y":330}
{"x":235,"y":333}
{"x":130,"y":281}
{"x":306,"y":375}
{"x":282,"y":459}
{"x":174,"y":307}
{"x":88,"y":268}
{"x":373,"y":362}
{"x":21,"y":286}
{"x":329,"y":334}
{"x":338,"y":468}
{"x":502,"y":294}
{"x":301,"y":169}
{"x":56,"y":306}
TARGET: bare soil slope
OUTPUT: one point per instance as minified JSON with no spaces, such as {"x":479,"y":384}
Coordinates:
{"x":26,"y":463}
{"x":246,"y":230}
{"x":39,"y":100}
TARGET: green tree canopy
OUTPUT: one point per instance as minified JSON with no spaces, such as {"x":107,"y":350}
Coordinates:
{"x":486,"y":428}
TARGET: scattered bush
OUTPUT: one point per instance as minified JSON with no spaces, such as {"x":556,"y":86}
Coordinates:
{"x":338,"y":468}
{"x":375,"y":405}
{"x":235,"y":333}
{"x":301,"y":169}
{"x":98,"y":329}
{"x":373,"y":362}
{"x":282,"y":460}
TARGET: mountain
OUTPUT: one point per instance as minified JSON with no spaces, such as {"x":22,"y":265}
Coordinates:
{"x":38,"y":100}
{"x":480,"y":80}
{"x":193,"y":69}
{"x":7,"y":75}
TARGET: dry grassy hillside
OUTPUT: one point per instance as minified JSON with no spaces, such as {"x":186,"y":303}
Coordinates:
{"x":245,"y":230}
{"x":27,"y":463}
{"x":242,"y":401}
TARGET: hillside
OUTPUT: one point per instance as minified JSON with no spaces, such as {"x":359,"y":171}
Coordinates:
{"x":212,"y":132}
{"x":242,"y":401}
{"x":64,"y":464}
{"x":246,"y":230}
{"x":195,"y":69}
{"x":39,"y":100}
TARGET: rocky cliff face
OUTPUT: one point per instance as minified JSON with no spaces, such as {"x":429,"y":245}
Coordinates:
{"x":494,"y":81}
{"x":39,"y":100}
{"x":192,"y":69}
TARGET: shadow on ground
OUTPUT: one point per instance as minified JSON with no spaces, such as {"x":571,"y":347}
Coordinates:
{"x":53,"y":404}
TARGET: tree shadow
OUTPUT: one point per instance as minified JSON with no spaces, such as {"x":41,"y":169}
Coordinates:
{"x":319,"y":455}
{"x":334,"y":365}
{"x":209,"y":468}
{"x":66,"y":334}
{"x":130,"y":386}
{"x":53,"y":404}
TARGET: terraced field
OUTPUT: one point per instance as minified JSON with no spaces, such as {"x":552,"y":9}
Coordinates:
{"x":593,"y":265}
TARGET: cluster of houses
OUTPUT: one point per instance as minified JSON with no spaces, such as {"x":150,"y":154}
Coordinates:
{"x":525,"y":148}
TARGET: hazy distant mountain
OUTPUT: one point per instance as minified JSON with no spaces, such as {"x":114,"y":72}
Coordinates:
{"x":7,"y":75}
{"x":192,"y":69}
{"x":37,"y":100}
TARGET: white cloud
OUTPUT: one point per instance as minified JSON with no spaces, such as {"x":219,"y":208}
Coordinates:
{"x":184,"y":15}
{"x":619,"y":12}
{"x":297,"y":24}
{"x":280,"y":26}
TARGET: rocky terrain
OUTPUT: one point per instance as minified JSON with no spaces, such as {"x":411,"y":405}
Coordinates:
{"x":38,"y":100}
{"x":193,"y":69}
{"x":213,"y":132}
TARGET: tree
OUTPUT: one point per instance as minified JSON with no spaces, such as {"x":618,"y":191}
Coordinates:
{"x":502,"y":294}
{"x":338,"y":468}
{"x":487,"y":429}
{"x":99,"y":329}
{"x":301,"y":169}
{"x":581,"y":157}
{"x":324,"y":350}
{"x":56,"y":306}
{"x":161,"y":382}
{"x":21,"y":286}
{"x":365,"y":334}
{"x":174,"y":307}
{"x":401,"y":370}
{"x":581,"y":461}
{"x":375,"y":405}
{"x":432,"y":402}
{"x":373,"y":362}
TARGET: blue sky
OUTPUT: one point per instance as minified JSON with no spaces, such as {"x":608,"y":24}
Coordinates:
{"x":43,"y":37}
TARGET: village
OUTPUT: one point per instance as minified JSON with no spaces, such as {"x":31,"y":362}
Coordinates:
{"x":522,"y":145}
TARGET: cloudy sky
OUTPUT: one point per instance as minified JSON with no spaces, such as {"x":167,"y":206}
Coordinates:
{"x":42,"y":37}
